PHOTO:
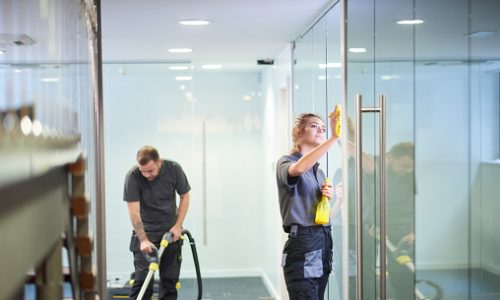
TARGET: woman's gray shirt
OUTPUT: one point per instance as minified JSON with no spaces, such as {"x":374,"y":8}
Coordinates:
{"x":298,"y":196}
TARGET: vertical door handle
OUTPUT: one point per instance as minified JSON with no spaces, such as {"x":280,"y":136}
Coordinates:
{"x":359,"y":194}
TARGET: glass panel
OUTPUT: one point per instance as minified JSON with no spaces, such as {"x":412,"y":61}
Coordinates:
{"x":302,"y":73}
{"x":310,"y":72}
{"x":394,"y":78}
{"x":485,"y":163}
{"x":380,"y":61}
{"x":458,"y":78}
{"x":47,"y":114}
{"x":361,"y":80}
{"x":334,"y":93}
{"x":310,"y":75}
{"x":215,"y":134}
{"x":443,"y":203}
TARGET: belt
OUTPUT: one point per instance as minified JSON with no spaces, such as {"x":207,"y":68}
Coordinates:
{"x":294,"y":229}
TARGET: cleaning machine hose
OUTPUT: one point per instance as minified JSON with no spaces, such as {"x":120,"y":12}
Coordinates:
{"x":196,"y":262}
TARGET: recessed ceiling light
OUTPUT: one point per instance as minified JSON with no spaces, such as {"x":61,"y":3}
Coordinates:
{"x":183,"y":78}
{"x":329,"y":65}
{"x":357,"y":50}
{"x":50,"y":79}
{"x":480,"y":34}
{"x":389,"y":77}
{"x":211,"y":67}
{"x":2,"y":51}
{"x":180,"y":50}
{"x":194,"y":22}
{"x":410,"y":22}
{"x":178,"y":68}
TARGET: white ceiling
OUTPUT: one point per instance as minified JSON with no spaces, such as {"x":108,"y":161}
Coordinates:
{"x":244,"y":31}
{"x":240,"y":33}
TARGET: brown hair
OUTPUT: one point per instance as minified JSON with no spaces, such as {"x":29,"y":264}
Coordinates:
{"x":403,"y":149}
{"x":298,"y":129}
{"x":147,"y":154}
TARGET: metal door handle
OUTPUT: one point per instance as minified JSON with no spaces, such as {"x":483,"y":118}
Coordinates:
{"x":359,"y":195}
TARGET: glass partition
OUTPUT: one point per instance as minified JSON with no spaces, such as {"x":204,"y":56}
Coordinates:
{"x":48,"y":114}
{"x":209,"y":121}
{"x":318,"y":87}
{"x":334,"y":96}
{"x":438,"y":70}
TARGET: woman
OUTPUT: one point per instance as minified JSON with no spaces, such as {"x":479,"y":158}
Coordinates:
{"x":307,"y":255}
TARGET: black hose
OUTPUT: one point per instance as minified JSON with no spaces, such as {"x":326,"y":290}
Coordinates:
{"x":196,"y":263}
{"x":437,"y":288}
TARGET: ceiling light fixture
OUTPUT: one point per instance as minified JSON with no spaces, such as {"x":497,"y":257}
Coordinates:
{"x":357,"y":50}
{"x":410,"y":22}
{"x":194,"y":22}
{"x":211,"y":67}
{"x":2,"y":51}
{"x":178,"y":68}
{"x":329,"y":65}
{"x":50,"y":79}
{"x":480,"y":34}
{"x":183,"y":78}
{"x":180,"y":50}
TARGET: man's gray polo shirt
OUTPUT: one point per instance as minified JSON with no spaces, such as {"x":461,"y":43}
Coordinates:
{"x":158,"y":197}
{"x":298,"y":196}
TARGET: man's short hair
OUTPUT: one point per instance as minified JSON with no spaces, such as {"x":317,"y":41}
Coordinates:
{"x":404,"y":149}
{"x":147,"y":154}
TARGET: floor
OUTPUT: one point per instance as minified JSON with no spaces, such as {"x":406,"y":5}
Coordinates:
{"x":454,"y":284}
{"x":240,"y":288}
{"x":434,"y":284}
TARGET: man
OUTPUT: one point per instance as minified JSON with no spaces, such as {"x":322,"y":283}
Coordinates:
{"x":150,"y":188}
{"x":401,"y":218}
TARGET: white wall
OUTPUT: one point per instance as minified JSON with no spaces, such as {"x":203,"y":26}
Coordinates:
{"x":489,"y":171}
{"x":490,"y":239}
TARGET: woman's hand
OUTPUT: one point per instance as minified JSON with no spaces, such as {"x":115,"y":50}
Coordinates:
{"x":335,"y":121}
{"x":327,"y":190}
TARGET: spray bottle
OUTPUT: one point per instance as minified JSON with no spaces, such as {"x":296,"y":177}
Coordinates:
{"x":337,"y":112}
{"x":323,"y":209}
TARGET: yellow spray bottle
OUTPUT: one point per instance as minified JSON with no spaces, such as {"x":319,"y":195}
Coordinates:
{"x":323,"y":209}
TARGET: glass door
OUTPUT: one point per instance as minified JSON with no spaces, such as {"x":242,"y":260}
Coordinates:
{"x":421,"y":143}
{"x":380,"y":143}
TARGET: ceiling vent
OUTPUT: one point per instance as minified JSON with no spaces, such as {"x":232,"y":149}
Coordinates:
{"x":9,"y":39}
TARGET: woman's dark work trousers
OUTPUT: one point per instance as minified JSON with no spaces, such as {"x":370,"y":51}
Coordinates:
{"x":169,"y":269}
{"x":307,"y":261}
